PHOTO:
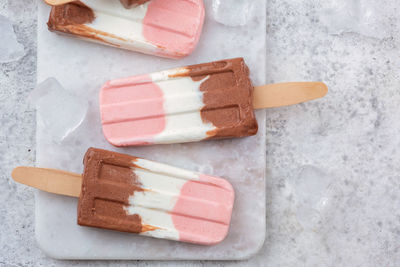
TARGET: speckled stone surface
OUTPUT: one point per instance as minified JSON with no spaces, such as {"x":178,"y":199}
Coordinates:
{"x":333,"y":178}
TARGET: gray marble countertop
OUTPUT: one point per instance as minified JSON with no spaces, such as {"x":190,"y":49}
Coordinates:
{"x":333,"y":166}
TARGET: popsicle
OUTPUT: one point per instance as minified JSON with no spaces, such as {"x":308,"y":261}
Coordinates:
{"x":130,"y":194}
{"x":164,"y":28}
{"x":192,"y":103}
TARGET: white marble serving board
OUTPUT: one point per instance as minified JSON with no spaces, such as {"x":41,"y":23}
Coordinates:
{"x":83,"y":67}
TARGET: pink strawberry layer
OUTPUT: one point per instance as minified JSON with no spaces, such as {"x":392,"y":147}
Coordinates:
{"x":206,"y":221}
{"x":122,"y":120}
{"x":174,"y":25}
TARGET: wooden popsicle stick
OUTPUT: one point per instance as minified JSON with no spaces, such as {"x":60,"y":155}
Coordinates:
{"x":285,"y":94}
{"x":49,"y":180}
{"x":58,"y":2}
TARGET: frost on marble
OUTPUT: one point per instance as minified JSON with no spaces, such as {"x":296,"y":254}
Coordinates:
{"x":10,"y":49}
{"x":366,"y":17}
{"x":232,"y":13}
{"x":58,"y":111}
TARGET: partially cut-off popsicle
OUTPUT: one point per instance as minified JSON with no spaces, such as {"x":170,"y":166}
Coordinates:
{"x":164,"y":28}
{"x":193,"y":103}
{"x":125,"y":3}
{"x":129,"y":194}
{"x":133,"y":3}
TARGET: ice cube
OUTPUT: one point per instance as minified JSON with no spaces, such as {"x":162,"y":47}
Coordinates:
{"x":58,"y":111}
{"x":232,"y":13}
{"x":313,"y":192}
{"x":377,"y":19}
{"x":10,"y":49}
{"x":340,"y":16}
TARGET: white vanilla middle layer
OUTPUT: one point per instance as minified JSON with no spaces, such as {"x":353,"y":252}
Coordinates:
{"x":124,"y":26}
{"x":183,"y":102}
{"x":164,"y":184}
